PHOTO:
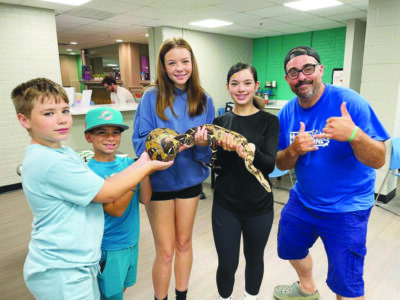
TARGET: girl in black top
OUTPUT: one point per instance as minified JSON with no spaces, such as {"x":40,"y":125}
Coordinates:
{"x":241,"y":204}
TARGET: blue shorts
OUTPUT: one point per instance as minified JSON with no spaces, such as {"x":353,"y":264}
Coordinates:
{"x":118,"y":271}
{"x":74,"y":283}
{"x":343,"y":235}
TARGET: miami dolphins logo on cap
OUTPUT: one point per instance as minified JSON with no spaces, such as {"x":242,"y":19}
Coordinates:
{"x":106,"y":115}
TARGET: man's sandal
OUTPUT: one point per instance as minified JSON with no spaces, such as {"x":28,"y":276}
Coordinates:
{"x":293,"y":292}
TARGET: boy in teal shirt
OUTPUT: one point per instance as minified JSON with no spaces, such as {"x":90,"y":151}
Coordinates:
{"x":119,"y":247}
{"x":65,"y":197}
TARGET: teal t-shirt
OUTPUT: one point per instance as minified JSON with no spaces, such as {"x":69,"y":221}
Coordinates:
{"x":122,"y":232}
{"x":67,"y":226}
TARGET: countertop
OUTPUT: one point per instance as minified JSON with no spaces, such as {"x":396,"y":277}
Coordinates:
{"x":82,"y":110}
{"x":276,"y":104}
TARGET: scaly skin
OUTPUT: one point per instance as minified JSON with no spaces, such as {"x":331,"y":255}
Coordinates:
{"x":158,"y":149}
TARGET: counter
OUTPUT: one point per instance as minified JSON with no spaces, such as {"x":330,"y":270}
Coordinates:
{"x":274,"y":106}
{"x":77,"y":140}
{"x":82,"y":110}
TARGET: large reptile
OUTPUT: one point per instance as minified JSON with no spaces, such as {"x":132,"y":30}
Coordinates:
{"x":164,"y":143}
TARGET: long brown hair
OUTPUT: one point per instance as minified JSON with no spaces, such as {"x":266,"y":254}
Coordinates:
{"x":196,"y":97}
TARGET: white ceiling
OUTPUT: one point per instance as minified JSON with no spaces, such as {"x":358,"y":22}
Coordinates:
{"x":101,"y":22}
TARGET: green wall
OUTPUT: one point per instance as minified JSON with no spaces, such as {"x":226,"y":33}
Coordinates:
{"x":269,"y":53}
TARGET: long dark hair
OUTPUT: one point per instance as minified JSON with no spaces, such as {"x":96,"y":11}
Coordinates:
{"x":258,"y":102}
{"x":196,"y":96}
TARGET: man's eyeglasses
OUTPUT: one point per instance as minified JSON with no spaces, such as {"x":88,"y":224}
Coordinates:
{"x":306,"y":70}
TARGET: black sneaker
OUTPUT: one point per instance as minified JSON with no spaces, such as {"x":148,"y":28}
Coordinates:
{"x":202,"y":196}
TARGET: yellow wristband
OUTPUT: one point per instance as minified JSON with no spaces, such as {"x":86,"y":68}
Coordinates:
{"x":353,"y":134}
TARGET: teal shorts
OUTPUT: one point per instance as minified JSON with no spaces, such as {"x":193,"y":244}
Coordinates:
{"x":118,"y":271}
{"x":74,"y":283}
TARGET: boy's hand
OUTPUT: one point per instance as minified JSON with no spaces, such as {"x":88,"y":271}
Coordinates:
{"x":154,"y":164}
{"x":157,"y":165}
{"x":143,"y":159}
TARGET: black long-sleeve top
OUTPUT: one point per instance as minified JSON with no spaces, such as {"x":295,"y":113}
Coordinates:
{"x":236,"y":189}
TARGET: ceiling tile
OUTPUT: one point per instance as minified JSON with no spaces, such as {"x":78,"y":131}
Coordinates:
{"x":129,"y":19}
{"x":66,"y":21}
{"x":273,"y":11}
{"x":244,"y":6}
{"x":337,"y":10}
{"x":349,"y":16}
{"x":113,"y":6}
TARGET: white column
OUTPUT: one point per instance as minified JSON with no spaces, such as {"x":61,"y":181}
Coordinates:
{"x":381,"y":71}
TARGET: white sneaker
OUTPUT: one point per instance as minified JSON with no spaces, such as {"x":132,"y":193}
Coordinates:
{"x":247,"y":296}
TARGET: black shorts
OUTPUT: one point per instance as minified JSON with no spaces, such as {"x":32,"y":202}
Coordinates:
{"x":189,"y":192}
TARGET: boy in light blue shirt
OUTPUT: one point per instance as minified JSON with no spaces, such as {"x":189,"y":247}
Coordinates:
{"x":119,"y":258}
{"x":65,"y":197}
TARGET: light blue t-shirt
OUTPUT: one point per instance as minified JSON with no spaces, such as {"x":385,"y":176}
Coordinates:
{"x":122,"y":232}
{"x":332,"y":179}
{"x":67,"y":225}
{"x":188,"y":168}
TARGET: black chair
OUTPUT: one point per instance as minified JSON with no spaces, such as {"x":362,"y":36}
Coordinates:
{"x":229,"y":106}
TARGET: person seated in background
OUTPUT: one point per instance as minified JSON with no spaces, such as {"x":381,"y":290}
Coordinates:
{"x":119,"y":94}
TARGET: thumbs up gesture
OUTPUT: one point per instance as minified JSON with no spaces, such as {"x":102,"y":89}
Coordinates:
{"x":339,"y":128}
{"x":303,"y":142}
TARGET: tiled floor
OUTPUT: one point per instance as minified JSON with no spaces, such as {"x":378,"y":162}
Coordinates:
{"x":381,"y":267}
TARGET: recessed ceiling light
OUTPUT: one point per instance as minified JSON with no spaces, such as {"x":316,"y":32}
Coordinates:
{"x":72,"y":53}
{"x":147,"y":35}
{"x":211,"y":23}
{"x":68,"y":2}
{"x":306,"y":5}
{"x":119,"y":41}
{"x":68,"y":49}
{"x":74,"y":43}
{"x":112,"y":65}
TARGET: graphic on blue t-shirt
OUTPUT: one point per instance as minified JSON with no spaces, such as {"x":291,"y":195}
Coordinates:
{"x":332,"y":179}
{"x":318,"y":141}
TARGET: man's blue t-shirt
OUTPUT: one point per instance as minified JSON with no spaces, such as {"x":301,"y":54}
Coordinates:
{"x":331,"y":179}
{"x":122,"y":232}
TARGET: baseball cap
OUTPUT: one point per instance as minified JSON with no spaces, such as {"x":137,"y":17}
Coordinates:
{"x":300,"y":50}
{"x":104,"y":116}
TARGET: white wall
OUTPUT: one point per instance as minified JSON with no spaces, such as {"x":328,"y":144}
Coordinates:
{"x":353,"y":54}
{"x":28,"y":50}
{"x":214,"y":53}
{"x":381,"y":69}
